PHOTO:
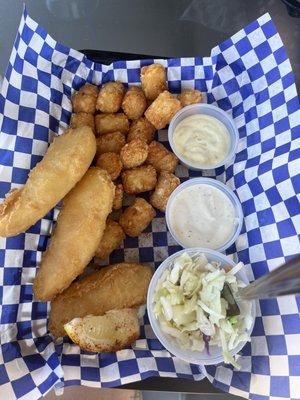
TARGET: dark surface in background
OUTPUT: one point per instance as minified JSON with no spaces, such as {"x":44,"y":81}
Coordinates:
{"x":166,"y":28}
{"x":169,"y":28}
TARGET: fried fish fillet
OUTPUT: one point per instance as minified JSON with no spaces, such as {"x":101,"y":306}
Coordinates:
{"x":65,"y":162}
{"x":117,"y":286}
{"x":79,"y":229}
{"x":113,"y":331}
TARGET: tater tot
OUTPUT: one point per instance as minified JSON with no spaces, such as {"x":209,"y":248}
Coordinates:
{"x":162,"y":110}
{"x":137,"y":217}
{"x":134,"y":103}
{"x":111,"y":162}
{"x":189,"y":96}
{"x":85,"y":99}
{"x":110,"y":97}
{"x":161,"y":158}
{"x":138,"y":180}
{"x":113,"y":236}
{"x":106,"y":123}
{"x":153,"y":80}
{"x":166,"y":183}
{"x":110,"y":143}
{"x":118,"y":199}
{"x":82,"y":119}
{"x":134,"y":153}
{"x":141,"y":129}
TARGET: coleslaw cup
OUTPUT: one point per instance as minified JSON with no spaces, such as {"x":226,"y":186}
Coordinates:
{"x":170,"y":343}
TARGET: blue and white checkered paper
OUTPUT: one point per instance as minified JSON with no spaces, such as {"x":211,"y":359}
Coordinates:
{"x":250,"y":77}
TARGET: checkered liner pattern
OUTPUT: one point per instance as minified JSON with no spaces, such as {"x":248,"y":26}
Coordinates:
{"x":249,"y":76}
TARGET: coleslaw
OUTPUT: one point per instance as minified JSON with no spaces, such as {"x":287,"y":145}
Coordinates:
{"x":189,"y":306}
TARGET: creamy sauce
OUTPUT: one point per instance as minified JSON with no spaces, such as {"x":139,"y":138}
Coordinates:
{"x":201,"y":215}
{"x":202,"y":140}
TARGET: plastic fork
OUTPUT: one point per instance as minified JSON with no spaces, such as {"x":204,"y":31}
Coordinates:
{"x":282,"y":281}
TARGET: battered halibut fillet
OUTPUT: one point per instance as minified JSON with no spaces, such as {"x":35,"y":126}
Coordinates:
{"x":64,"y":163}
{"x":113,"y":331}
{"x":117,"y":286}
{"x":79,"y":229}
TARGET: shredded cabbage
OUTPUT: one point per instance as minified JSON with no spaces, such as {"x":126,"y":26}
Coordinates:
{"x":189,"y":306}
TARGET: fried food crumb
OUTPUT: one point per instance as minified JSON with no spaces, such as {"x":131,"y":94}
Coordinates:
{"x":118,"y":199}
{"x":113,"y":236}
{"x":162,"y":110}
{"x":141,"y":129}
{"x":161,"y":158}
{"x":166,"y":184}
{"x":85,"y":99}
{"x":111,"y":162}
{"x":134,"y":103}
{"x":140,"y":179}
{"x":189,"y":96}
{"x":137,"y":217}
{"x":153,"y":80}
{"x":107,"y":123}
{"x":110,"y":143}
{"x":134,"y":153}
{"x":82,"y":119}
{"x":110,"y":97}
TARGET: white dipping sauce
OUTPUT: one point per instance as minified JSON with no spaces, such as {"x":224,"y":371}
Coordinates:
{"x":201,"y":139}
{"x":202,"y":216}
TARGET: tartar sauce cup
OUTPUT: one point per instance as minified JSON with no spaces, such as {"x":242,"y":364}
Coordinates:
{"x":170,"y":343}
{"x":225,"y":190}
{"x":221,"y":116}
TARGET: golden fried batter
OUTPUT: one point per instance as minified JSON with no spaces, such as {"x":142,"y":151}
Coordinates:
{"x":110,"y":97}
{"x":106,"y":123}
{"x":140,"y":179}
{"x":82,"y":119}
{"x":161,"y":158}
{"x":162,"y":110}
{"x":116,"y":330}
{"x":118,"y":199}
{"x":134,"y":103}
{"x":141,"y":129}
{"x":137,"y":217}
{"x":153,"y":80}
{"x":114,"y":287}
{"x":166,"y":183}
{"x":189,"y":96}
{"x":134,"y":153}
{"x":112,"y":237}
{"x":78,"y":231}
{"x":64,"y":163}
{"x":111,"y":162}
{"x":110,"y":143}
{"x":84,"y":101}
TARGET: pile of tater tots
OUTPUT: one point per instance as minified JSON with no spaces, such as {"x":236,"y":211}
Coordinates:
{"x":125,"y":121}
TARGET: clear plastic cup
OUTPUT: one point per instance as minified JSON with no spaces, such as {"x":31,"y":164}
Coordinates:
{"x":170,"y":343}
{"x":238,"y":223}
{"x":213,"y":111}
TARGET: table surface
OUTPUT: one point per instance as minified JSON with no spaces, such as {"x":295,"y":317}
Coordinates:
{"x":168,"y":28}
